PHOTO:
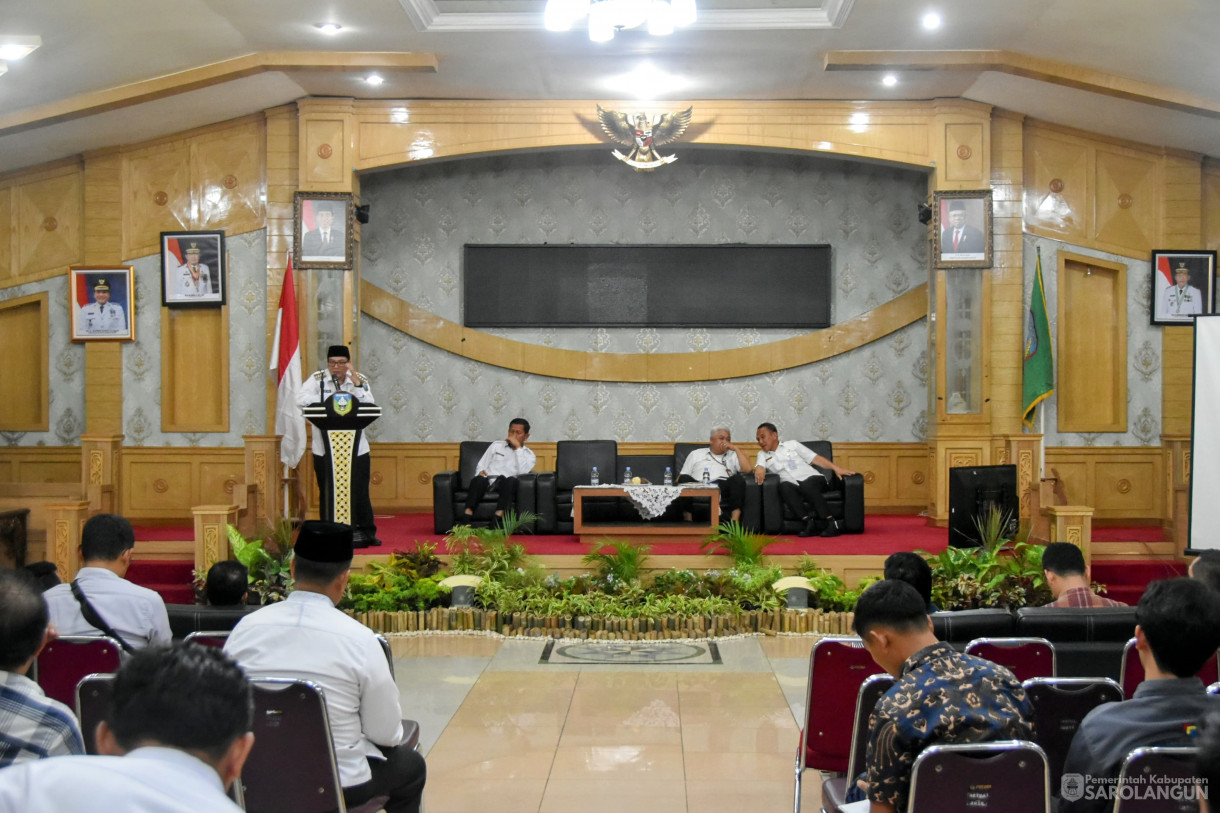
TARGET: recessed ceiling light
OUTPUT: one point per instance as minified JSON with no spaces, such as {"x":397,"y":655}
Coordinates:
{"x":13,"y":47}
{"x":328,"y":28}
{"x":646,"y":82}
{"x":889,"y":80}
{"x":374,"y":80}
{"x":931,"y":21}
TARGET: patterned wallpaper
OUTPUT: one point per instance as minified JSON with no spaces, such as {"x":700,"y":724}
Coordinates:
{"x":1143,"y":348}
{"x":422,"y":216}
{"x":248,"y":376}
{"x":67,"y":407}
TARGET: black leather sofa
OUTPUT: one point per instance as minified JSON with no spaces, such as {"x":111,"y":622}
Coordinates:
{"x":187,"y":618}
{"x":449,"y":490}
{"x":844,"y":497}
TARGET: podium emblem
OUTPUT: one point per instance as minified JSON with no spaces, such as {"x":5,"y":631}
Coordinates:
{"x":343,"y":403}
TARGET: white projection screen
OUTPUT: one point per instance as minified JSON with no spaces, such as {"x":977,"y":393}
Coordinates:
{"x":1205,"y":438}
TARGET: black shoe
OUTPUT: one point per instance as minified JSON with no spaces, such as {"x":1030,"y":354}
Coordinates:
{"x":832,"y":528}
{"x":374,"y":543}
{"x":811,"y":528}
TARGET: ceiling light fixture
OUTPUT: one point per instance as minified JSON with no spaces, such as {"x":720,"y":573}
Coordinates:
{"x":889,"y":80}
{"x":931,"y":21}
{"x":14,"y":47}
{"x":328,"y":28}
{"x":607,"y":16}
{"x":374,"y":80}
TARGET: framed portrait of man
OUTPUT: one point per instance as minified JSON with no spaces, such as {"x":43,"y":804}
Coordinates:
{"x":1183,"y":286}
{"x":102,"y":303}
{"x":193,"y":269}
{"x":962,"y":229}
{"x":323,"y":235}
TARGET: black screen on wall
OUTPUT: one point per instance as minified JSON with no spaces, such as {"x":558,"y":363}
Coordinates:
{"x":659,"y":286}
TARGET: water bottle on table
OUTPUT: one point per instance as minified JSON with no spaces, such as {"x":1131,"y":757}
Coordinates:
{"x":593,"y":478}
{"x":627,"y":476}
{"x":669,"y":476}
{"x":707,"y":478}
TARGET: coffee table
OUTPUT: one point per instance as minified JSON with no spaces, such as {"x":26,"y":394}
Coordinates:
{"x":644,"y":530}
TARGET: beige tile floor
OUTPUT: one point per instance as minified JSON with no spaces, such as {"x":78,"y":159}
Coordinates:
{"x":503,"y":733}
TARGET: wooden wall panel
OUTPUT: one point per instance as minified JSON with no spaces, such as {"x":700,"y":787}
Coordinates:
{"x":156,"y":196}
{"x":40,"y":464}
{"x":1127,"y":202}
{"x":219,"y":479}
{"x":195,"y":370}
{"x":23,"y":323}
{"x":49,"y":222}
{"x":229,"y":179}
{"x":1056,"y":185}
{"x":158,"y":487}
{"x":8,"y":236}
{"x":1121,"y":483}
{"x":965,"y":149}
{"x":1091,"y":375}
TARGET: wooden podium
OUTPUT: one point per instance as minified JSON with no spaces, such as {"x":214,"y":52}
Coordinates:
{"x":341,"y":420}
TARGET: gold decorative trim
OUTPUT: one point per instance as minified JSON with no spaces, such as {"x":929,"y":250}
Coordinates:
{"x":62,"y":549}
{"x":49,"y":223}
{"x":96,"y":460}
{"x":230,"y":181}
{"x":160,"y":486}
{"x":1125,"y":201}
{"x":1074,"y":535}
{"x":211,"y":544}
{"x":342,"y":446}
{"x":580,"y":365}
{"x":160,"y":198}
{"x":964,"y":152}
{"x":325,"y":151}
{"x":1056,"y":185}
{"x":1123,"y":486}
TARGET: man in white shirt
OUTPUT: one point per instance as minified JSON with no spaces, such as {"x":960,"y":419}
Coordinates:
{"x":723,"y":461}
{"x":136,"y":613}
{"x":800,"y":484}
{"x":194,"y":278}
{"x":340,"y":377}
{"x":306,"y":637}
{"x":101,"y":316}
{"x":1183,"y":300}
{"x":176,"y":736}
{"x":499,"y":467}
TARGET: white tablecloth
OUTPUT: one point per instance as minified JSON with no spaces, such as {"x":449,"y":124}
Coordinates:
{"x":649,"y":500}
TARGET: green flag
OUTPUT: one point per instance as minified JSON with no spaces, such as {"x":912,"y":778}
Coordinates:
{"x":1038,"y":378}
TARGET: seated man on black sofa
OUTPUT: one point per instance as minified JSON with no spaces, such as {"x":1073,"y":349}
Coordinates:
{"x":1177,"y":630}
{"x":801,"y":485}
{"x":722,"y":469}
{"x":228,"y":584}
{"x":501,"y":465}
{"x":1067,"y":576}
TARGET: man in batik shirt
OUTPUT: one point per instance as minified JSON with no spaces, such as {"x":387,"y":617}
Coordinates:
{"x":941,"y":696}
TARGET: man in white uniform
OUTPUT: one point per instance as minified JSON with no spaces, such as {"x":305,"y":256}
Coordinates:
{"x":340,"y":377}
{"x":722,"y":461}
{"x":176,"y":735}
{"x":193,"y":279}
{"x":500,"y":466}
{"x":305,"y":637}
{"x":1183,"y":300}
{"x":136,"y":614}
{"x":800,"y":484}
{"x":101,"y":316}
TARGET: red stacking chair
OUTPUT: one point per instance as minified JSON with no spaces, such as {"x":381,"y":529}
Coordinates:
{"x":1132,"y":674}
{"x":1009,"y":776}
{"x":1025,"y":657}
{"x":64,"y":661}
{"x":834,"y":789}
{"x":1059,"y":706}
{"x":1145,"y":770}
{"x":214,"y":638}
{"x":837,"y":667}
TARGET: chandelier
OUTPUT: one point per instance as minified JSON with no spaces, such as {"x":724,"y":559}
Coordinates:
{"x":607,"y":16}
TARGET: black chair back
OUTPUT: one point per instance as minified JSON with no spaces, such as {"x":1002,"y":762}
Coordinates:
{"x":93,"y":695}
{"x":470,"y":452}
{"x":681,"y":452}
{"x":963,"y":626}
{"x":575,"y":459}
{"x":1009,"y":776}
{"x":1147,"y":769}
{"x":1059,"y":706}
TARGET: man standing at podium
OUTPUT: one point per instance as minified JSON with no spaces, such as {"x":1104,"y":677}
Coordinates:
{"x":340,"y":377}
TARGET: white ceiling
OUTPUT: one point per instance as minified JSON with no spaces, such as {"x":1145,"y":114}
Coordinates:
{"x":497,"y":49}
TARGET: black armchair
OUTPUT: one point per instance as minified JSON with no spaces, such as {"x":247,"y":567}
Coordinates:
{"x":751,"y":509}
{"x":845,"y":497}
{"x":574,"y":462}
{"x":449,"y":491}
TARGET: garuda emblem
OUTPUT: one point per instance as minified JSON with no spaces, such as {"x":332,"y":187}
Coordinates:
{"x":643,"y":135}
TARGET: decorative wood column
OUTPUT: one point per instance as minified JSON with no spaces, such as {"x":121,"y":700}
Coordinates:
{"x":101,"y":456}
{"x":262,"y":471}
{"x":64,"y":523}
{"x":212,"y":534}
{"x":1024,"y":452}
{"x":1073,"y":523}
{"x":1176,"y":450}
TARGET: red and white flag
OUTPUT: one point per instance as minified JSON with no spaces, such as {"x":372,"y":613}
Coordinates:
{"x":286,"y":360}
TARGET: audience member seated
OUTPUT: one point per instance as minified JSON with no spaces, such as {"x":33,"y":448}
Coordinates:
{"x":175,"y":737}
{"x":32,"y":726}
{"x":801,"y":485}
{"x":501,"y":465}
{"x":228,"y":584}
{"x":1177,"y":630}
{"x":722,"y":468}
{"x":100,"y":600}
{"x":44,"y":574}
{"x":305,"y":637}
{"x":941,"y":696}
{"x":1067,"y":576}
{"x":913,"y":569}
{"x":1206,"y":568}
{"x":1207,"y":762}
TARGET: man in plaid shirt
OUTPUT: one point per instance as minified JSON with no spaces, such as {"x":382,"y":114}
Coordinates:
{"x":1068,"y":578}
{"x":32,"y":726}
